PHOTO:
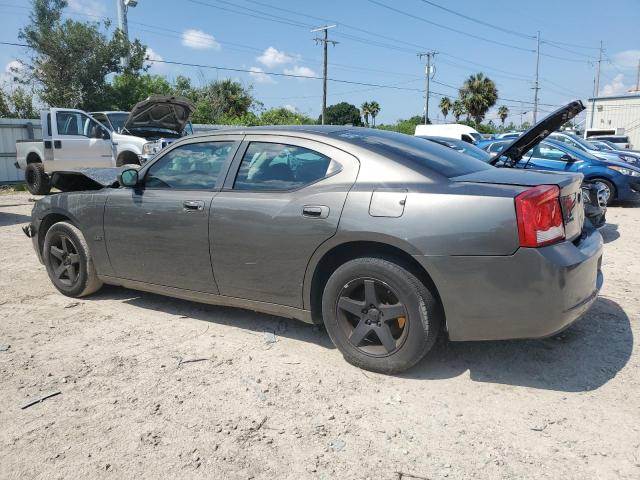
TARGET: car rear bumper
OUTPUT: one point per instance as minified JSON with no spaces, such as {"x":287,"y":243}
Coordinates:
{"x":534,"y":293}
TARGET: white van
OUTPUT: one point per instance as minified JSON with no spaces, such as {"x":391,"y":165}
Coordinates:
{"x":449,"y":130}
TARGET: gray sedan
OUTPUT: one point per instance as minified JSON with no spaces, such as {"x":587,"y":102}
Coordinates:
{"x":385,"y":239}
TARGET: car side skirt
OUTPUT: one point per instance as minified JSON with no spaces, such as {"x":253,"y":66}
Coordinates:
{"x":213,"y":299}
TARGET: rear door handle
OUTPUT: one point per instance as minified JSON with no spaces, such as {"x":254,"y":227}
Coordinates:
{"x":315,"y":211}
{"x":193,"y":205}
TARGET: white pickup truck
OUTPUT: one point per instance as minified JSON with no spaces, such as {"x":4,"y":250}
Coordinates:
{"x":73,"y":139}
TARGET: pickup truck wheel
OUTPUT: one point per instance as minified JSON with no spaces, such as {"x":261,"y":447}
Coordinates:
{"x":37,"y":180}
{"x":380,"y":315}
{"x":68,"y":261}
{"x":127,"y":158}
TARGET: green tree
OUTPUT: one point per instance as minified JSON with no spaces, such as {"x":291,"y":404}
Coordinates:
{"x":128,"y":89}
{"x":445,"y":106}
{"x":21,"y":102}
{"x":342,"y":113}
{"x":503,"y":113}
{"x":407,"y":126}
{"x":458,"y":110}
{"x":374,"y":110}
{"x":365,"y":111}
{"x":478,"y":94}
{"x":70,"y":60}
{"x":283,"y":116}
{"x":4,"y":106}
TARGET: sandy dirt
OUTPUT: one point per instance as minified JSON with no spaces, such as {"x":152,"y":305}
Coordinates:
{"x":287,"y":406}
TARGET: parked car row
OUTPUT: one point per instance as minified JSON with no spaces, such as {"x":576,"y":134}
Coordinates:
{"x":372,"y":233}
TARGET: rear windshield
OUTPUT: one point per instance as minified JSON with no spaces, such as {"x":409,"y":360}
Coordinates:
{"x":407,"y":149}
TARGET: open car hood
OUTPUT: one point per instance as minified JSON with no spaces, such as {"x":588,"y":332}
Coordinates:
{"x":161,"y":111}
{"x":539,"y":132}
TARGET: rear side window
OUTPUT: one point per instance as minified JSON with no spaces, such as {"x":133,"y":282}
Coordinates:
{"x":276,"y":166}
{"x":415,"y":152}
{"x":194,"y":166}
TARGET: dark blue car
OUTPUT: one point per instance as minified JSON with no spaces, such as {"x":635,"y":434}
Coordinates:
{"x":618,"y":180}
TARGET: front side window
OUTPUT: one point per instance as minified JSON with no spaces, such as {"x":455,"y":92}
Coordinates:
{"x":275,"y":166}
{"x":194,"y":166}
{"x":77,"y":124}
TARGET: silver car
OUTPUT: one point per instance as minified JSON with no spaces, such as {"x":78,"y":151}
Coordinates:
{"x":385,"y":239}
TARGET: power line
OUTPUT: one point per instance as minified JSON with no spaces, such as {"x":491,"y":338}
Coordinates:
{"x":460,"y":32}
{"x":481,"y":22}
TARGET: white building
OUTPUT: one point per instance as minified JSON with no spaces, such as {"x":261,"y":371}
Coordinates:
{"x":620,"y":112}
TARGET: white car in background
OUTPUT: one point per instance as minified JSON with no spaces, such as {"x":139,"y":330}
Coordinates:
{"x":73,"y":139}
{"x":449,"y":130}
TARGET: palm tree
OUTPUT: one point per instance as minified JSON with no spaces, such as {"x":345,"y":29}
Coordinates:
{"x":478,"y":94}
{"x":445,"y":105}
{"x":503,"y":113}
{"x":458,"y":109}
{"x":365,"y":109}
{"x":374,"y":110}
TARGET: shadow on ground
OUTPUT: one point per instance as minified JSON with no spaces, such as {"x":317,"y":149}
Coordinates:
{"x":235,"y":317}
{"x":13,"y":219}
{"x":584,"y":357}
{"x":610,"y":233}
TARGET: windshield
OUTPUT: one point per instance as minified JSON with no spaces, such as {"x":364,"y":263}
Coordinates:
{"x":118,"y":120}
{"x":462,"y":147}
{"x":414,"y":152}
{"x":579,"y":141}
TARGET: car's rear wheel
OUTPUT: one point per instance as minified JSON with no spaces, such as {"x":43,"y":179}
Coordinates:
{"x":37,"y":180}
{"x":606,"y":190}
{"x":68,"y":261}
{"x":380,"y":315}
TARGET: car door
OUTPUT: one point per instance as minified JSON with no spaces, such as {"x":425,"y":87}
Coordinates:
{"x":79,"y":141}
{"x":282,"y":198}
{"x":158,"y":232}
{"x":545,"y":157}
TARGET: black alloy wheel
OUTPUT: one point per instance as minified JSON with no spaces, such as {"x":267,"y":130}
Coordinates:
{"x":372,"y":317}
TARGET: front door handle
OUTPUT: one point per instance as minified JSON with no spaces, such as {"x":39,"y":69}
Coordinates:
{"x":315,"y":211}
{"x":193,"y":205}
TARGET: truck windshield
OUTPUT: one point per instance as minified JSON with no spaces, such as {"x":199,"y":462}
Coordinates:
{"x":118,"y":120}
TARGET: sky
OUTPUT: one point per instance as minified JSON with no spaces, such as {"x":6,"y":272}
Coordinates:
{"x":378,"y":45}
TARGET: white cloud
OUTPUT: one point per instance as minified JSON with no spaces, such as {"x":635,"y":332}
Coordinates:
{"x":11,"y":70}
{"x":199,"y":40}
{"x":300,"y":71}
{"x":153,"y":55}
{"x":88,"y":7}
{"x":259,"y":76}
{"x":616,"y":86}
{"x":627,"y":59}
{"x":291,"y":108}
{"x":273,"y":57}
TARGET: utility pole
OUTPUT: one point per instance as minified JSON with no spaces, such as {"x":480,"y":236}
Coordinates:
{"x":536,"y":86}
{"x":427,"y":74}
{"x":638,"y":78}
{"x":596,"y":87}
{"x":325,"y":41}
{"x":123,"y":7}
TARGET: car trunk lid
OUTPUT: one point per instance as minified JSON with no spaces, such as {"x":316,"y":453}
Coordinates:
{"x":570,"y":185}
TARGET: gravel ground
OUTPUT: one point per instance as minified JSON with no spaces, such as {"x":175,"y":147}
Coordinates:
{"x":154,"y":387}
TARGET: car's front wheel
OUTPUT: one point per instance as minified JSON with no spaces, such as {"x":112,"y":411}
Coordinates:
{"x":380,"y":315}
{"x":68,"y":261}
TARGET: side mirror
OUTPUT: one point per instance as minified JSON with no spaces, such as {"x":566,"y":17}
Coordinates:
{"x":567,"y":158}
{"x":105,"y":134}
{"x":128,"y":177}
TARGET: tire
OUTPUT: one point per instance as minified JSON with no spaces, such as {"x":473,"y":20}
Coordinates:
{"x":127,"y":158}
{"x":610,"y":186}
{"x":68,"y":261}
{"x":413,"y":315}
{"x":37,"y":180}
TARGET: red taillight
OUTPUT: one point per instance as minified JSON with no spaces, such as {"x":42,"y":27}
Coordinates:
{"x":539,"y":216}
